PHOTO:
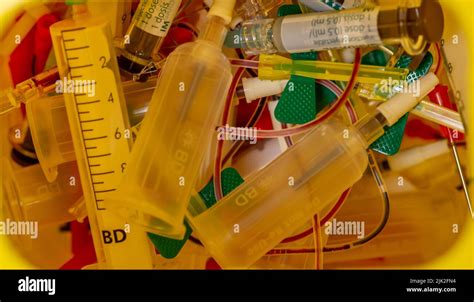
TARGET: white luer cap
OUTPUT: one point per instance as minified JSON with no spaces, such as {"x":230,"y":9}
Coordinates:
{"x":222,"y":8}
{"x":254,"y":88}
{"x":404,"y":102}
{"x":413,"y":156}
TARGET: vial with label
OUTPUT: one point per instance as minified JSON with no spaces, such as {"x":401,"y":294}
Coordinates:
{"x":150,"y":24}
{"x":412,"y":27}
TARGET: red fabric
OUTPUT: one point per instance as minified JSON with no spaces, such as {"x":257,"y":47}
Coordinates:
{"x":29,"y":57}
{"x":42,"y":41}
{"x":21,"y":60}
{"x":211,"y":264}
{"x":417,"y":128}
{"x":265,"y":121}
{"x":82,"y":247}
{"x":245,"y":111}
{"x":176,"y":36}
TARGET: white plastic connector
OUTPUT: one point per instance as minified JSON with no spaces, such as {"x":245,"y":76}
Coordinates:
{"x":254,"y":88}
{"x":348,"y":55}
{"x":402,"y":103}
{"x":235,"y":22}
{"x":223,"y":9}
{"x":414,"y":156}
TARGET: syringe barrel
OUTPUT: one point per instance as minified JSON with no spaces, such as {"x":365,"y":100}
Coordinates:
{"x":174,"y":137}
{"x":51,"y":133}
{"x":278,"y":199}
{"x":28,"y":196}
{"x":97,"y":114}
{"x":412,"y":27}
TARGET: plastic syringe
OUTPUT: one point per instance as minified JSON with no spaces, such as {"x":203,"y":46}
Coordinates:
{"x":268,"y":207}
{"x":275,"y":67}
{"x":85,"y":55}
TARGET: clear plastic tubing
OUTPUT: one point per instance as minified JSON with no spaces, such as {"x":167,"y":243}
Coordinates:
{"x":412,"y":27}
{"x":439,"y":115}
{"x":275,"y":201}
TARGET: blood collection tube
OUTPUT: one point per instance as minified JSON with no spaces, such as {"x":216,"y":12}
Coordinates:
{"x":412,"y":27}
{"x":177,"y":130}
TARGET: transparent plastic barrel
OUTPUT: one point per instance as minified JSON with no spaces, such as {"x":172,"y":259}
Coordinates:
{"x":174,"y":137}
{"x":278,"y":199}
